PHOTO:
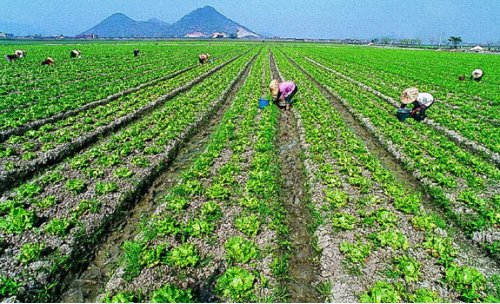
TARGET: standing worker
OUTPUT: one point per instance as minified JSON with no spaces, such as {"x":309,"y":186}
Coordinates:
{"x":477,"y":75}
{"x":48,"y":61}
{"x":137,"y":52}
{"x":283,"y":92}
{"x":76,"y":53}
{"x":203,"y":58}
{"x":421,"y":102}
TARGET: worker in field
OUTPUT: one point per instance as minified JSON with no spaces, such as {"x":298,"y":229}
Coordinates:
{"x":48,"y":61}
{"x":477,"y":75}
{"x":203,"y":58}
{"x":137,"y":52}
{"x":421,"y":102}
{"x":20,"y":53}
{"x":283,"y":92}
{"x":76,"y":53}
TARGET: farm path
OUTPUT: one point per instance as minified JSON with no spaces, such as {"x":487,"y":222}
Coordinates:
{"x":303,"y":270}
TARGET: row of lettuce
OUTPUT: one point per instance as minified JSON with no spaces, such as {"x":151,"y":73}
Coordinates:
{"x":22,"y":155}
{"x":218,"y":232}
{"x":461,"y":106}
{"x":51,"y":220}
{"x":393,"y":249}
{"x":466,"y":185}
{"x":73,"y":83}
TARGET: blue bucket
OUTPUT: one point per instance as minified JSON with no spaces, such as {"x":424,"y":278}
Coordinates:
{"x":403,"y":114}
{"x":263,"y":103}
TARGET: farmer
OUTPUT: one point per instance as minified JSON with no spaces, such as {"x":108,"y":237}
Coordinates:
{"x":48,"y":61}
{"x":137,"y":52}
{"x":477,"y":75}
{"x":283,"y":92}
{"x":203,"y":58}
{"x":421,"y":102}
{"x":76,"y":53}
{"x":11,"y":57}
{"x":20,"y":53}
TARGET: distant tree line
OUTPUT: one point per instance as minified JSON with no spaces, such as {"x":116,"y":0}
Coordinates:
{"x":453,"y":41}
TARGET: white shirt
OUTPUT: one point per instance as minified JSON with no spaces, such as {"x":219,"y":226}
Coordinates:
{"x":425,"y":99}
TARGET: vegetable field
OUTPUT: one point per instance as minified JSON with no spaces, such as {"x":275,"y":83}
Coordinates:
{"x":157,"y":179}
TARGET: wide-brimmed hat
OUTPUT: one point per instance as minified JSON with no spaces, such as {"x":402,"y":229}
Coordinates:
{"x":477,"y":73}
{"x":50,"y":59}
{"x":409,"y":95}
{"x":274,"y":86}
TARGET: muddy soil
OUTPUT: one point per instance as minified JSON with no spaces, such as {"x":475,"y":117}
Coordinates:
{"x":475,"y":252}
{"x":88,"y":284}
{"x":304,"y":272}
{"x":84,"y":287}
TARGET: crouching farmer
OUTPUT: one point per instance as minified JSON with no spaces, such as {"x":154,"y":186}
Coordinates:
{"x":421,"y":102}
{"x":137,"y":52}
{"x":477,"y":75}
{"x":283,"y":92}
{"x":203,"y":58}
{"x":20,"y":53}
{"x":76,"y":53}
{"x":48,"y":61}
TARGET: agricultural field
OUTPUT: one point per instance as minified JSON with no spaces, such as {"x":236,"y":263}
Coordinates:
{"x":157,"y":179}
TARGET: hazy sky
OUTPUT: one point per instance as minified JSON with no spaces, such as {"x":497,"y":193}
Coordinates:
{"x":473,"y":20}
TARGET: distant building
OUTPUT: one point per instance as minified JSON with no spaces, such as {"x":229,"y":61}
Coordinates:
{"x":87,"y":36}
{"x":5,"y":35}
{"x":219,"y":35}
{"x":477,"y":49}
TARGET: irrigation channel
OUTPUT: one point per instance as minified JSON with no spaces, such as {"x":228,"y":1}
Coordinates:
{"x":395,"y":166}
{"x":304,"y":270}
{"x":87,"y":284}
{"x":472,"y":252}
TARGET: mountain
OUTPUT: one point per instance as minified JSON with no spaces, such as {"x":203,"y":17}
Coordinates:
{"x":203,"y":22}
{"x":157,"y":21}
{"x":19,"y":29}
{"x":119,"y":25}
{"x":207,"y":21}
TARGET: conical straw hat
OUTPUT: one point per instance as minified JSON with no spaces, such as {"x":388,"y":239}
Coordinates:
{"x":274,"y":86}
{"x":409,"y":95}
{"x":477,"y":73}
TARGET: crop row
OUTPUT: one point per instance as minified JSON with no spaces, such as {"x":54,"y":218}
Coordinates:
{"x":462,"y":183}
{"x":96,"y":79}
{"x":50,"y":221}
{"x":474,"y":119}
{"x":435,"y":71}
{"x":393,"y":249}
{"x":49,"y":144}
{"x":97,"y":60}
{"x":74,"y":97}
{"x":217,"y":229}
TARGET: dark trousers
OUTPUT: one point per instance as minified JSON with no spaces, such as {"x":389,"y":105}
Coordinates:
{"x":288,"y":99}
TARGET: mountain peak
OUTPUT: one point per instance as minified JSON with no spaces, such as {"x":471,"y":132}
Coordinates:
{"x":119,"y":16}
{"x":202,"y":22}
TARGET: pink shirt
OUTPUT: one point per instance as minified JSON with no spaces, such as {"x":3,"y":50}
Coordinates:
{"x":286,"y":88}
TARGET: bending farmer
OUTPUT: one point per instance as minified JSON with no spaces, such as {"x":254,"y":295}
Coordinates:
{"x":283,"y":92}
{"x":477,"y":75}
{"x":203,"y":58}
{"x":421,"y":102}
